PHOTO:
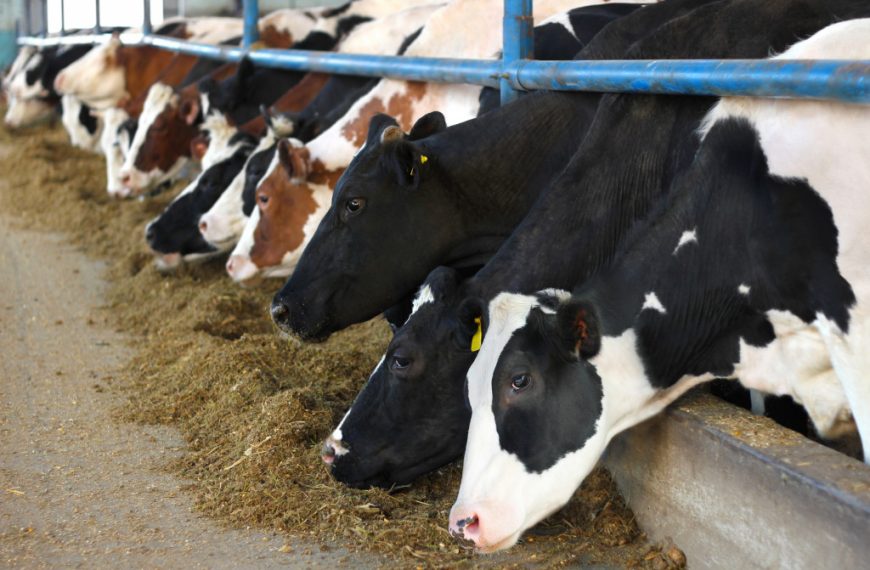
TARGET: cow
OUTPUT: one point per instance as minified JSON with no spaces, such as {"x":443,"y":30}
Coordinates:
{"x":428,"y":357}
{"x":272,"y":252}
{"x":32,"y":97}
{"x":223,"y":224}
{"x":113,"y":71}
{"x":353,"y":287}
{"x":755,"y":268}
{"x":170,"y":240}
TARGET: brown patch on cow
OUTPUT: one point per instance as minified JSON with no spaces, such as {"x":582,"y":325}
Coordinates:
{"x":142,"y":66}
{"x":400,"y":106}
{"x":319,"y":174}
{"x":168,"y":138}
{"x":164,"y":146}
{"x":289,"y":202}
{"x":275,"y":38}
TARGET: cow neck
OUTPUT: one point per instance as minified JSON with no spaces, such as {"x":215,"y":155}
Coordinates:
{"x":495,"y":166}
{"x":145,"y":65}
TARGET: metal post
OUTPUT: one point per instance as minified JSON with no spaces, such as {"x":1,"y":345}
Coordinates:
{"x":28,"y":25}
{"x":97,"y":26}
{"x":146,"y":18}
{"x":62,"y":18}
{"x":44,"y":17}
{"x":250,"y":13}
{"x":519,"y":40}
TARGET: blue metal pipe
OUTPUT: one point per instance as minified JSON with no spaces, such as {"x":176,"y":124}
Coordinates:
{"x":819,"y":79}
{"x":250,"y":32}
{"x":146,"y":17}
{"x":518,"y":41}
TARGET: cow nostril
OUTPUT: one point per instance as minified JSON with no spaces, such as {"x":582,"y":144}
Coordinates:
{"x":125,"y":179}
{"x":279,"y":311}
{"x":203,"y":226}
{"x":327,"y":453}
{"x":231,"y":263}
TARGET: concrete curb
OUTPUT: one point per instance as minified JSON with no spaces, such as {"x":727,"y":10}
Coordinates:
{"x":735,"y":490}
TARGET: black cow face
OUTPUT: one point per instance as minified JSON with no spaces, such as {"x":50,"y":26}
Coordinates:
{"x":411,"y":417}
{"x":342,"y":275}
{"x":176,"y":230}
{"x":546,"y":396}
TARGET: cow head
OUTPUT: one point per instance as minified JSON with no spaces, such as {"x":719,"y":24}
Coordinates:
{"x":382,"y":234}
{"x":98,"y":78}
{"x":118,"y":132}
{"x":27,"y":112}
{"x":411,"y":417}
{"x":161,"y":146}
{"x":222,"y":225}
{"x":288,"y":209}
{"x":174,"y":235}
{"x":540,"y":416}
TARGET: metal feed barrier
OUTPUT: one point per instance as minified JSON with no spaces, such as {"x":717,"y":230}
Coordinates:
{"x":516,"y":73}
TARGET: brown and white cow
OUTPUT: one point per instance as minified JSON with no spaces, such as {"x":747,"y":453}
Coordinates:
{"x":463,"y":28}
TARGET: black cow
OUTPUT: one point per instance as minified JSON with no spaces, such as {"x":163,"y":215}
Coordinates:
{"x":478,"y":181}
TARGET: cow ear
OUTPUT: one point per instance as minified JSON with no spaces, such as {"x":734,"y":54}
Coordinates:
{"x":377,"y":125}
{"x":408,"y":163}
{"x":578,"y":329}
{"x":199,"y":146}
{"x":470,"y":324}
{"x":427,"y":125}
{"x":294,"y":160}
{"x":190,"y":110}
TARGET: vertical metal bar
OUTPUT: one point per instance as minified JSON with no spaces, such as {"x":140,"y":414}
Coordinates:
{"x":97,"y":26}
{"x":146,"y":17}
{"x":44,"y":17}
{"x":182,"y":8}
{"x":62,"y":18}
{"x":519,"y":40}
{"x":250,"y":13}
{"x":28,"y":25}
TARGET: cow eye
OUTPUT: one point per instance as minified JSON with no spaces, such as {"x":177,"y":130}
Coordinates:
{"x":520,"y":382}
{"x":400,"y":362}
{"x":264,"y":199}
{"x":355,"y":205}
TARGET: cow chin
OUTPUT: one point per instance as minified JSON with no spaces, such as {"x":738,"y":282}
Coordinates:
{"x":166,"y":262}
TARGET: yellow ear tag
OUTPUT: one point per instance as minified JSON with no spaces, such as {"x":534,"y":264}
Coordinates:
{"x":478,"y":336}
{"x":423,"y":159}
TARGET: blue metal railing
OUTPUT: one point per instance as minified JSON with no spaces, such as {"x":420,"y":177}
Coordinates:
{"x":817,"y":79}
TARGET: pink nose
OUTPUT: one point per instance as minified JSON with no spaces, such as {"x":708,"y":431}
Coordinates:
{"x":126,"y":178}
{"x":59,"y":81}
{"x":203,"y":227}
{"x":465,"y":526}
{"x":241,"y":268}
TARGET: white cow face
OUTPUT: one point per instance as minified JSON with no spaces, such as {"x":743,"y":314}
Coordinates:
{"x":538,"y":423}
{"x":115,"y":143}
{"x":27,"y":112}
{"x":97,"y":78}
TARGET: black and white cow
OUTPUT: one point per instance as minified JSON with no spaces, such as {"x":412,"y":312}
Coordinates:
{"x":31,"y":93}
{"x":755,"y":268}
{"x":174,"y":234}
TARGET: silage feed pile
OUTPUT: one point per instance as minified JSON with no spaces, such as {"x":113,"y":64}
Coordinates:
{"x":254,"y":407}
